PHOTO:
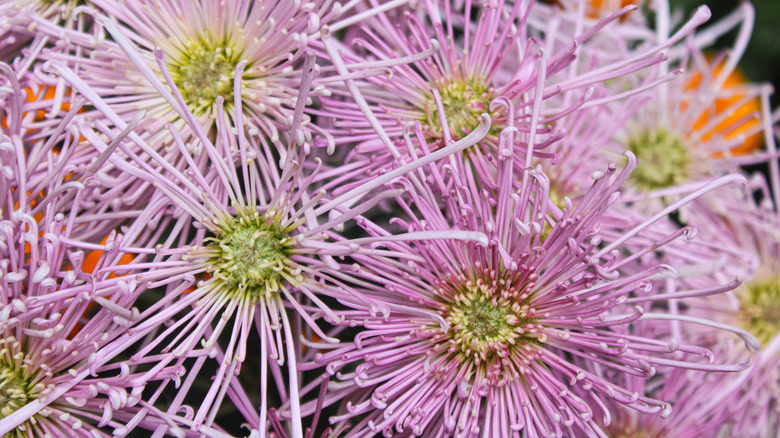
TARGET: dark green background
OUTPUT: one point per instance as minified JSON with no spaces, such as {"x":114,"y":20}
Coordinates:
{"x":762,"y":58}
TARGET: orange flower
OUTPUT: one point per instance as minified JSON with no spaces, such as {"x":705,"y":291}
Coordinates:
{"x":733,"y":108}
{"x":44,"y":93}
{"x":92,"y":259}
{"x":601,"y":8}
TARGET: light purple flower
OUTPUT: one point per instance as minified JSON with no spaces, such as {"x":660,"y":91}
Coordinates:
{"x":751,"y":408}
{"x":739,"y":241}
{"x":233,"y":239}
{"x":446,"y":73}
{"x":695,"y":398}
{"x":493,"y":325}
{"x":688,"y":131}
{"x":208,"y":45}
{"x":51,"y":381}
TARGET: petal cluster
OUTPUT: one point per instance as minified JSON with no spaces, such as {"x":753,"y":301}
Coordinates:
{"x":439,"y":219}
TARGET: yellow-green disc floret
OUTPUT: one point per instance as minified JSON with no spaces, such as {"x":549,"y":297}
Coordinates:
{"x":18,"y":386}
{"x":483,"y":323}
{"x":15,"y":390}
{"x":664,"y":160}
{"x":760,"y":308}
{"x":203,"y":71}
{"x":464,"y":101}
{"x":250,"y":254}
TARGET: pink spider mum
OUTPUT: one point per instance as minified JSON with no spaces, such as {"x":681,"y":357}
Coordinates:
{"x":229,"y":240}
{"x":739,"y":241}
{"x":495,"y":327}
{"x":703,"y":125}
{"x":51,"y":381}
{"x":696,"y":398}
{"x":698,"y":127}
{"x":708,"y":277}
{"x":444,"y":74}
{"x":751,"y":400}
{"x":208,"y":45}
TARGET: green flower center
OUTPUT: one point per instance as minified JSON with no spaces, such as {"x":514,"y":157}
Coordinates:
{"x":484,"y":320}
{"x":760,"y":308}
{"x":483,"y":323}
{"x":16,"y":389}
{"x":627,"y":428}
{"x":250,"y":254}
{"x":464,"y":101}
{"x":664,"y":160}
{"x":203,"y":71}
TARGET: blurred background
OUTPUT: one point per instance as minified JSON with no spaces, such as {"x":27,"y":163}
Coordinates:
{"x":761,"y":61}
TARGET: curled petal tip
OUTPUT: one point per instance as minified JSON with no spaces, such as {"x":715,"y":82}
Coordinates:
{"x":51,"y":66}
{"x":703,"y":13}
{"x":752,"y":344}
{"x":670,"y":271}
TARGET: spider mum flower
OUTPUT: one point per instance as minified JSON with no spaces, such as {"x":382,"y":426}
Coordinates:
{"x":696,"y":397}
{"x":16,"y":29}
{"x":709,"y":404}
{"x":702,"y":125}
{"x":752,"y":398}
{"x":677,"y":155}
{"x":226,"y":247}
{"x":740,"y":240}
{"x":495,"y":327}
{"x":446,"y":73}
{"x":45,"y":383}
{"x":50,"y":381}
{"x":235,"y":253}
{"x":204,"y":43}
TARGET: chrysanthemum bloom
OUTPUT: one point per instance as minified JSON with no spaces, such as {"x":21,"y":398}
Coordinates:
{"x":741,"y":405}
{"x":741,"y":240}
{"x":753,"y":398}
{"x":229,"y":246}
{"x":51,"y":383}
{"x":498,"y":335}
{"x":54,"y":159}
{"x":262,"y":55}
{"x":695,"y":397}
{"x":701,"y":126}
{"x":452,"y":69}
{"x":17,"y":31}
{"x":204,"y":42}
